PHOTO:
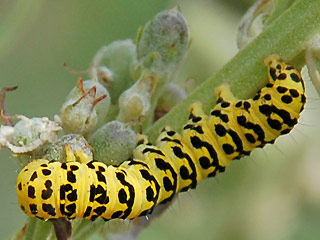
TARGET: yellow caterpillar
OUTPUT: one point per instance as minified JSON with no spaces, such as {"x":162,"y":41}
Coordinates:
{"x":156,"y":173}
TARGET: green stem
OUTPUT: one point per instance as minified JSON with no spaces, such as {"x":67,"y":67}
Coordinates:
{"x":287,"y":36}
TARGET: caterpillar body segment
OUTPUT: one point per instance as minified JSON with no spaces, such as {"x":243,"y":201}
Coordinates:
{"x":82,"y":188}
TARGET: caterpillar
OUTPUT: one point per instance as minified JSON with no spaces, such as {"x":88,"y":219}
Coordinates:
{"x":82,"y":188}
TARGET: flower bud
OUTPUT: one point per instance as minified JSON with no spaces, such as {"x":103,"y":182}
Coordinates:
{"x":86,"y":107}
{"x":112,"y":64}
{"x":166,"y":34}
{"x":105,"y":76}
{"x":161,"y":46}
{"x":28,"y":134}
{"x":134,"y":103}
{"x":113,"y":143}
{"x":78,"y":145}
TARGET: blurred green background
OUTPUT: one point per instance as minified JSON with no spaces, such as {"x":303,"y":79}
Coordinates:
{"x":273,"y":194}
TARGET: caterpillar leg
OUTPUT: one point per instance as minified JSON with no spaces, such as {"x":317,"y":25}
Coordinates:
{"x":273,"y":60}
{"x":76,"y":155}
{"x":195,"y":111}
{"x":70,"y":157}
{"x":224,"y":93}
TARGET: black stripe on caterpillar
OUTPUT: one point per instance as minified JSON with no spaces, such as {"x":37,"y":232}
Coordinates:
{"x":176,"y":163}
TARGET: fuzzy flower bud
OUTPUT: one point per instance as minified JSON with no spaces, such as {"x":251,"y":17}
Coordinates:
{"x":113,"y":143}
{"x":112,"y":64}
{"x":134,"y":103}
{"x":105,"y":76}
{"x":166,"y":34}
{"x":161,"y":46}
{"x":86,"y":106}
{"x":77,"y":143}
{"x":28,"y":134}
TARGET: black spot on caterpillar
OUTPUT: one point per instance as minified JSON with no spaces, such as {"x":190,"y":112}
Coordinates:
{"x":177,"y":163}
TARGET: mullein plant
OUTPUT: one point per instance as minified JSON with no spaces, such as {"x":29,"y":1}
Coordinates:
{"x":131,"y":81}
